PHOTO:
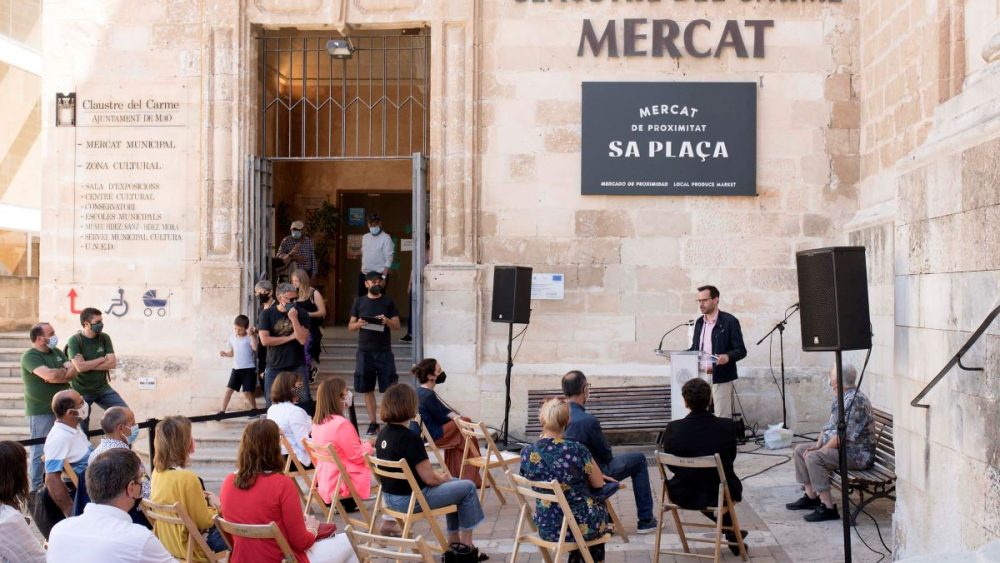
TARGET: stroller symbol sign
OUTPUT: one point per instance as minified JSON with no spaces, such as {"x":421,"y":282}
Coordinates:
{"x":152,"y":303}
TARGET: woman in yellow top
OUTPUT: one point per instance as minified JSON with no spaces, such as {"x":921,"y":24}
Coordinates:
{"x":173,"y":483}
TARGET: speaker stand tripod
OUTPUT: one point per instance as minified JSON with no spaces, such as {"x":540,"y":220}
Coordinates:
{"x":504,"y":437}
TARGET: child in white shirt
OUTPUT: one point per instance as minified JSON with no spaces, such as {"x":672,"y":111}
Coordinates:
{"x":242,"y":348}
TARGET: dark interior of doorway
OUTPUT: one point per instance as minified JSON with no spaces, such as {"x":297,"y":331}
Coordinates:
{"x":381,"y":186}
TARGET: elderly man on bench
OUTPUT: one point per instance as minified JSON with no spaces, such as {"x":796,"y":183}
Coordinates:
{"x":814,"y":462}
{"x":586,"y":429}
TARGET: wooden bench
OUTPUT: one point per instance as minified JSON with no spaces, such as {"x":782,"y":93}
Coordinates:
{"x":879,"y":480}
{"x":619,"y":409}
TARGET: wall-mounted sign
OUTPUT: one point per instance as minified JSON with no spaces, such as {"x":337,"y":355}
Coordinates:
{"x":669,"y":138}
{"x":548,"y":286}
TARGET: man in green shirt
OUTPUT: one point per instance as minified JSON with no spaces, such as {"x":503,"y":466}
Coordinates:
{"x":92,"y":354}
{"x":45,"y":371}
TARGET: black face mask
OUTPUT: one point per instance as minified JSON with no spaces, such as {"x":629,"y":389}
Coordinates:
{"x":375,"y":289}
{"x":263,"y":297}
{"x":440,"y":378}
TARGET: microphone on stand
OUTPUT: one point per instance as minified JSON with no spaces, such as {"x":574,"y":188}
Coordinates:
{"x":659,"y":348}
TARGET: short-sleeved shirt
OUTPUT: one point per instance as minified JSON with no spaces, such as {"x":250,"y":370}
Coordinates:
{"x":860,"y":427}
{"x":372,"y":340}
{"x":66,"y":444}
{"x":397,"y":442}
{"x":92,"y":382}
{"x":243,"y":356}
{"x":38,"y":393}
{"x":433,"y":413}
{"x":289,"y":355}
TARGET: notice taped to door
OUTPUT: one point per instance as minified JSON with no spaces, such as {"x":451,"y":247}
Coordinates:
{"x":669,"y":138}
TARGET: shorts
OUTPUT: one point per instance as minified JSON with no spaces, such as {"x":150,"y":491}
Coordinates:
{"x":369,"y":365}
{"x":245,"y":378}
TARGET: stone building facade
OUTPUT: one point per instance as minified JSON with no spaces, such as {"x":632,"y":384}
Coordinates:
{"x":851,"y":97}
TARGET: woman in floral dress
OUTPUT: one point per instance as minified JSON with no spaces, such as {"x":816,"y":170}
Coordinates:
{"x":571,"y":464}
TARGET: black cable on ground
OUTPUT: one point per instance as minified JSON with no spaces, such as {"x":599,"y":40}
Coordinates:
{"x":878,"y":529}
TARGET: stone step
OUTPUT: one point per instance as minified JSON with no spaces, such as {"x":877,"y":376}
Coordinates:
{"x":12,"y":400}
{"x":11,"y":385}
{"x":14,"y":340}
{"x":19,"y":432}
{"x":10,"y":369}
{"x":11,"y":354}
{"x":13,"y":417}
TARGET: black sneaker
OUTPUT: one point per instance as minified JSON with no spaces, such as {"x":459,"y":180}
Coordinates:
{"x":822,"y":514}
{"x":646,"y":526}
{"x":372,"y":429}
{"x":804,"y":503}
{"x":312,"y":373}
{"x":731,"y":537}
{"x":406,"y":338}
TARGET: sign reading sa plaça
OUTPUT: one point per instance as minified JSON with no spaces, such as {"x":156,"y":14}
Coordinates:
{"x":669,"y":138}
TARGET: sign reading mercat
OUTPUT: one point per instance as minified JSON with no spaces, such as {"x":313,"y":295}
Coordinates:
{"x":669,"y":138}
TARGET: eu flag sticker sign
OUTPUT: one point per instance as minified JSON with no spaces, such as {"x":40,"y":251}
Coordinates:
{"x":548,"y":286}
{"x":669,"y":138}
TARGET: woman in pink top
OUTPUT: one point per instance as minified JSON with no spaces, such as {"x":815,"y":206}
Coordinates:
{"x":331,"y":427}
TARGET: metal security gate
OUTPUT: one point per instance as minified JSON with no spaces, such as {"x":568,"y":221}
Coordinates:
{"x":372,"y":104}
{"x":421,"y":199}
{"x":258,"y":228}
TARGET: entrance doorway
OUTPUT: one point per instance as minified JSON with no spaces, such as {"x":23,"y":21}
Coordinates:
{"x":339,"y":129}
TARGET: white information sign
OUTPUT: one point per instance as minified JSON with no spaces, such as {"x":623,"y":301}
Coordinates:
{"x":147,"y":383}
{"x":548,"y":286}
{"x":406,"y":245}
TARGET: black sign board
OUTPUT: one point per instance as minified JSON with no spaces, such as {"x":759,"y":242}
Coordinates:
{"x":669,"y":138}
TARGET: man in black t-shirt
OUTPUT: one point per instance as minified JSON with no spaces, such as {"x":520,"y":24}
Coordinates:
{"x":284,"y":330}
{"x":373,"y":317}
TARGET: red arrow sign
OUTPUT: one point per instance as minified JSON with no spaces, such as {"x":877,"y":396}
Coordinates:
{"x":72,"y":302}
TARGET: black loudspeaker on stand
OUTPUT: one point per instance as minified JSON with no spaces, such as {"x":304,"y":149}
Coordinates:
{"x":833,"y":297}
{"x":511,"y":305}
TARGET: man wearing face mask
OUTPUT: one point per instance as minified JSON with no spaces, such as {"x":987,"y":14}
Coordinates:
{"x":377,"y":250}
{"x":297,"y":251}
{"x":264,"y":296}
{"x":66,"y":443}
{"x":105,"y":532}
{"x":120,"y":431}
{"x":45,"y":371}
{"x":93,"y":355}
{"x":284,"y":330}
{"x":373,"y":316}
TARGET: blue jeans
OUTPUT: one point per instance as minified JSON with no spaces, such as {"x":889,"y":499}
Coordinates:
{"x":39,"y":426}
{"x":633,"y":465}
{"x":270,"y":374}
{"x":107,"y":399}
{"x":457,"y":491}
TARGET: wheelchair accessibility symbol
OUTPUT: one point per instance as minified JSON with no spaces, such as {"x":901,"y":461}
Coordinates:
{"x":155,"y":304}
{"x":119,"y":306}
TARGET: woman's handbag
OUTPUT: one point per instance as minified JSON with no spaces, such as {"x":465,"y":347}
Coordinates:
{"x":461,"y":553}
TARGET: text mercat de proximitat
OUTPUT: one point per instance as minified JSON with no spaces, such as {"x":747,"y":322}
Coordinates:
{"x":686,"y":149}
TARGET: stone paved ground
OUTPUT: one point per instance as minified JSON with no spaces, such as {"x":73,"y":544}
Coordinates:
{"x":776,"y":534}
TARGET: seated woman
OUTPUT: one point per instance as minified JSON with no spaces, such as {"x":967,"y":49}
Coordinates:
{"x":17,"y":542}
{"x":293,"y":421}
{"x":396,"y":441}
{"x":440,"y":420}
{"x":569,"y":463}
{"x":259,"y":493}
{"x":173,"y":483}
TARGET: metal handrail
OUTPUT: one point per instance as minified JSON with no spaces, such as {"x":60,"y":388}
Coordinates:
{"x":957,"y":359}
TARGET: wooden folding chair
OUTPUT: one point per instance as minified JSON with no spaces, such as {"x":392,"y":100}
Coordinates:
{"x":328,"y":454}
{"x":491,"y":457}
{"x":552,"y":492}
{"x":724,"y":506}
{"x":70,"y":474}
{"x":295,"y":469}
{"x":176,"y":515}
{"x":370,"y":547}
{"x":400,"y":471}
{"x":256,"y":532}
{"x":430,"y":446}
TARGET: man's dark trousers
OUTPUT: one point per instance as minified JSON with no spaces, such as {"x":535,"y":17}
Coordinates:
{"x":633,"y":466}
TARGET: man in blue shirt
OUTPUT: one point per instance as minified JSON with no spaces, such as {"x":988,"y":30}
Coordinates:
{"x":586,"y":429}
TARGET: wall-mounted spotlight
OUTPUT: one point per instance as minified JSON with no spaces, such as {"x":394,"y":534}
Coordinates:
{"x":340,"y":48}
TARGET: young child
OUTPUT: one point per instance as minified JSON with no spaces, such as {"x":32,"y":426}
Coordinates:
{"x":242,"y":347}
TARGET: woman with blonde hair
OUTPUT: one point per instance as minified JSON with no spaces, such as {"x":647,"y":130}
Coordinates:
{"x":259,"y":493}
{"x":310,"y":300}
{"x":172,"y":482}
{"x":569,"y":463}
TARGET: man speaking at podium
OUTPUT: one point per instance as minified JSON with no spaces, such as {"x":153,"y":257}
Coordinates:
{"x":718,"y":333}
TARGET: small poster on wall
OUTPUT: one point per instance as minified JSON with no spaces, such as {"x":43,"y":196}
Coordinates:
{"x":356,"y":216}
{"x":354,"y":247}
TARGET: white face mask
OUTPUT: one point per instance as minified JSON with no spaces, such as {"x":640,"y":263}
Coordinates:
{"x":83,"y":412}
{"x":348,"y":400}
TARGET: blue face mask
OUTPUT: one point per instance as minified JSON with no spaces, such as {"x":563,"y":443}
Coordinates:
{"x":134,"y":435}
{"x":53,"y":341}
{"x":375,"y":230}
{"x":296,"y":235}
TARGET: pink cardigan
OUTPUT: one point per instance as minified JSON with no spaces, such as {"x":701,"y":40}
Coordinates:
{"x":338,"y":431}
